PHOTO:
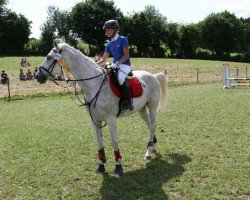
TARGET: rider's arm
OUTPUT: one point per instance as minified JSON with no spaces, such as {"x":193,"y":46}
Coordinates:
{"x":125,"y":56}
{"x":103,"y":59}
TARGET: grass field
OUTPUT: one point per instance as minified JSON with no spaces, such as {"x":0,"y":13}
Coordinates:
{"x":48,"y":149}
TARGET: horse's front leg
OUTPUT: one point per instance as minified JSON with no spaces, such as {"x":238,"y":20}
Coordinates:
{"x":112,"y":123}
{"x":101,"y":153}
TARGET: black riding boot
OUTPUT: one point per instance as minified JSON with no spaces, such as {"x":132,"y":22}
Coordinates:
{"x":126,"y":97}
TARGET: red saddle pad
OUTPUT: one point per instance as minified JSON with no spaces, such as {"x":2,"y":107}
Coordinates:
{"x":135,"y":87}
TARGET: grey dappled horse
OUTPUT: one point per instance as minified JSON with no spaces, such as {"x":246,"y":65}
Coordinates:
{"x":100,"y":101}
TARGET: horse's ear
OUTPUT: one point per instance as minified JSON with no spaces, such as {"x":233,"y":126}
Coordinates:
{"x":55,"y":43}
{"x":62,"y":39}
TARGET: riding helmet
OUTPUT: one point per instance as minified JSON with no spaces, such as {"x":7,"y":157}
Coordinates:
{"x":111,"y":24}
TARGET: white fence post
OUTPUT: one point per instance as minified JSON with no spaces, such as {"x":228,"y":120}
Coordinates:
{"x":226,"y":75}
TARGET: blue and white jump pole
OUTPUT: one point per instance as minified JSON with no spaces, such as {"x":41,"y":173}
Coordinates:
{"x":227,"y":81}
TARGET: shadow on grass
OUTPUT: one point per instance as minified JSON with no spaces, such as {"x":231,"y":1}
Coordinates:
{"x":145,"y":183}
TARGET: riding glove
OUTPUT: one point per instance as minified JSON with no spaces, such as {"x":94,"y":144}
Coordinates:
{"x":114,"y":65}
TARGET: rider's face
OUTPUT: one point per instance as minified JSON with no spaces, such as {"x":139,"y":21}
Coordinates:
{"x":109,"y":32}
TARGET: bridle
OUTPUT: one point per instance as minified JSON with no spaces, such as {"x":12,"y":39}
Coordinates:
{"x":85,"y":103}
{"x":49,"y":71}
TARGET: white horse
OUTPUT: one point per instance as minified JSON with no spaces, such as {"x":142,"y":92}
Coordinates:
{"x":100,"y":101}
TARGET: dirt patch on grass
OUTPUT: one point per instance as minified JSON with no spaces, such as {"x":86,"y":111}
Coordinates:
{"x":30,"y":87}
{"x":177,"y":75}
{"x":183,"y":74}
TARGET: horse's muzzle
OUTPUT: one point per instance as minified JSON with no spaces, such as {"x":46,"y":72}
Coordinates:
{"x":40,"y":77}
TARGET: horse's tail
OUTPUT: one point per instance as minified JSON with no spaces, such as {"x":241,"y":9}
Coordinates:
{"x":162,"y":78}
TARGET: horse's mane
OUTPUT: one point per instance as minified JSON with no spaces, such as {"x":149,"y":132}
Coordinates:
{"x":78,"y":54}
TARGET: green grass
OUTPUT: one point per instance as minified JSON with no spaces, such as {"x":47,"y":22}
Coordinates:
{"x":12,"y":64}
{"x":48,"y":149}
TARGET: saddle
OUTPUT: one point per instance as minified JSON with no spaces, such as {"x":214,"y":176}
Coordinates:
{"x":134,"y":84}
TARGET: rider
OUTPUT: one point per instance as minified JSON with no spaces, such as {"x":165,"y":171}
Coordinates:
{"x":119,"y":48}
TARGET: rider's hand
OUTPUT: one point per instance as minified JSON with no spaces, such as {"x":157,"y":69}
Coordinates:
{"x":114,"y":66}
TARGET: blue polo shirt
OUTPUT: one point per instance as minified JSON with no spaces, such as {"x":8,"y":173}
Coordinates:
{"x":115,"y":47}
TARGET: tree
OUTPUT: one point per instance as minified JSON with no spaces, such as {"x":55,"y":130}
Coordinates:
{"x":147,"y":31}
{"x":14,"y":32}
{"x":246,"y":41}
{"x":88,"y":18}
{"x":34,"y":47}
{"x":58,"y":24}
{"x":190,"y":39}
{"x":2,"y":4}
{"x":173,"y":38}
{"x":222,"y":32}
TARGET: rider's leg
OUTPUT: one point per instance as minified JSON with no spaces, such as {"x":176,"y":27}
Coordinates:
{"x":126,"y":96}
{"x":125,"y":90}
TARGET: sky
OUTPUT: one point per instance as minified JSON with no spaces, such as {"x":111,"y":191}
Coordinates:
{"x":179,"y":11}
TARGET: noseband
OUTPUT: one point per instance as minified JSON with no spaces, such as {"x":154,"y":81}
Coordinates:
{"x":49,"y":70}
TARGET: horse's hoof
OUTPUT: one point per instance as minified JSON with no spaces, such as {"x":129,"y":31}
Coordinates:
{"x":100,"y":168}
{"x":118,"y":170}
{"x":147,"y":158}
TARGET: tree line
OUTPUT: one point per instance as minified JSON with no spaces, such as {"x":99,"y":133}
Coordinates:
{"x":149,"y":33}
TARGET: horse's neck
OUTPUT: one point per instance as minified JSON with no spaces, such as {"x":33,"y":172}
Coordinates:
{"x":82,"y":67}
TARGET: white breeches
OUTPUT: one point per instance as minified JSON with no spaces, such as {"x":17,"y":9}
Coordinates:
{"x":123,"y":73}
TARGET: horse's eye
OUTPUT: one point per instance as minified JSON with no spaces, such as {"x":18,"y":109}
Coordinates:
{"x":49,"y":57}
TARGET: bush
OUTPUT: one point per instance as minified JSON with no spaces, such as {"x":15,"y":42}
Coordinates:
{"x":133,"y":51}
{"x":237,"y":57}
{"x":246,"y":57}
{"x":203,"y":54}
{"x":222,"y":57}
{"x":33,"y":47}
{"x":83,"y":47}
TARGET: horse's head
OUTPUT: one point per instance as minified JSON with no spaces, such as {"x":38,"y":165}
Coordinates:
{"x":50,"y":66}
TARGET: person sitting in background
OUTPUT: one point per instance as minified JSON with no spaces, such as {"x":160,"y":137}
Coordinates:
{"x":97,"y":57}
{"x":4,"y":77}
{"x":22,"y":76}
{"x":59,"y":77}
{"x":24,"y":62}
{"x":27,"y":62}
{"x":29,"y":75}
{"x":34,"y":72}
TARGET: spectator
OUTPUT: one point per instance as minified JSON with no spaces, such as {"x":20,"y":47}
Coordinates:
{"x":22,"y":76}
{"x":183,"y":54}
{"x":29,"y":75}
{"x":24,"y":62}
{"x":4,"y":77}
{"x":97,"y":57}
{"x":34,"y":72}
{"x":59,"y":77}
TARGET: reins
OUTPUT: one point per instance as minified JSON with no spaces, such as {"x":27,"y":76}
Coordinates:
{"x":85,"y":103}
{"x":94,"y":99}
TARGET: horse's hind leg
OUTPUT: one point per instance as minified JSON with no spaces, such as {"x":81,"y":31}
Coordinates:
{"x":151,"y":124}
{"x":144,"y":115}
